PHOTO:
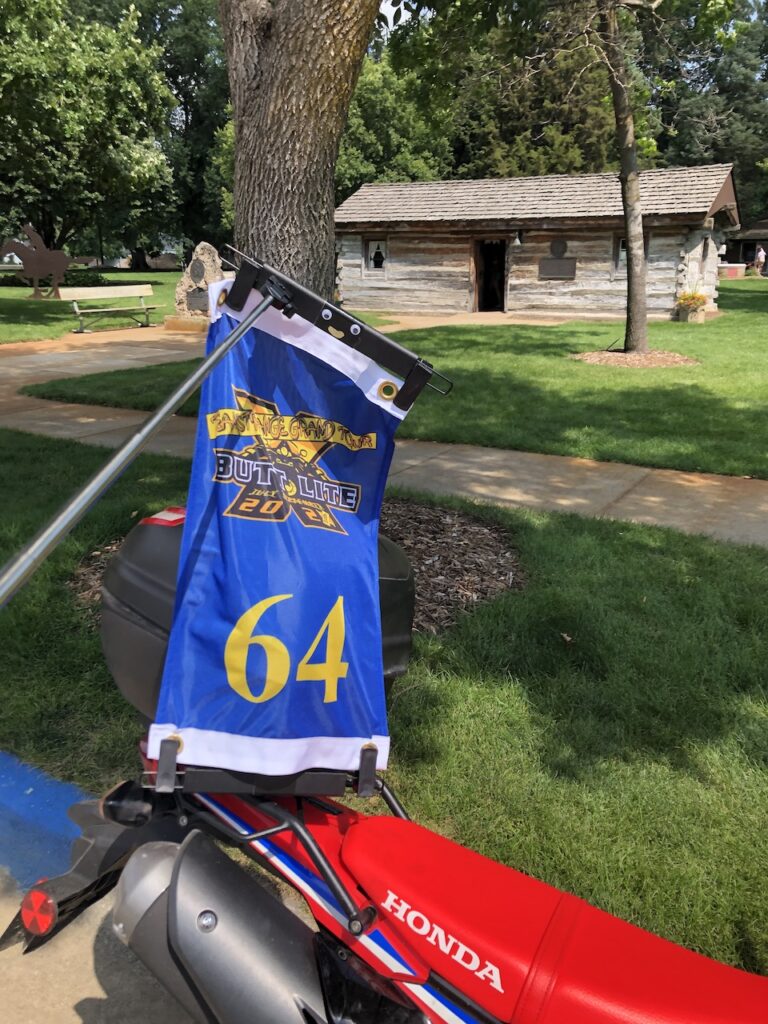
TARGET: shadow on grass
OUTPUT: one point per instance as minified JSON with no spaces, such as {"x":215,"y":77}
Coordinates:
{"x":33,"y":311}
{"x":680,"y":425}
{"x":747,"y":296}
{"x":628,"y":643}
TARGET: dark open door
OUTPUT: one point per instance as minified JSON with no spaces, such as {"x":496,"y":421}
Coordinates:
{"x":490,"y":264}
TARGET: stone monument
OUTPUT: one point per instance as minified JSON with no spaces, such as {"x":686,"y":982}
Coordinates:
{"x":192,"y":290}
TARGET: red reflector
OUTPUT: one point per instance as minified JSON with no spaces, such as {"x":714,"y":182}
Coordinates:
{"x":38,"y":912}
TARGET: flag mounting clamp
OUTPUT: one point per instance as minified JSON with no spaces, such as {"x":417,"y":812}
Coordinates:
{"x":292,"y":298}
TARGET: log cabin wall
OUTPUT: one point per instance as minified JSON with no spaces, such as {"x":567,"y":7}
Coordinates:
{"x":421,"y":273}
{"x":600,"y":284}
{"x":429,"y":270}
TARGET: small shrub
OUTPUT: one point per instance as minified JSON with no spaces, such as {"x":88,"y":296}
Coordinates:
{"x":691,"y":301}
{"x":83,"y":278}
{"x":73,"y":278}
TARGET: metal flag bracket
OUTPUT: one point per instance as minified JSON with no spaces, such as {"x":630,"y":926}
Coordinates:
{"x":293,"y":298}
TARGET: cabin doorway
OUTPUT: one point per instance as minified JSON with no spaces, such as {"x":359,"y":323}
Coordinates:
{"x":490,"y":275}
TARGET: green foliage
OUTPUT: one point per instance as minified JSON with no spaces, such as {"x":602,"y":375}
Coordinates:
{"x":72,"y":279}
{"x":717,"y":111}
{"x":82,"y":106}
{"x":187,"y":38}
{"x":220,"y":175}
{"x":388,"y":137}
{"x":524,"y":99}
{"x":508,"y":121}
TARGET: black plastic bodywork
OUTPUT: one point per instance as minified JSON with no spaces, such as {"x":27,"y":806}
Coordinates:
{"x":354,"y":992}
{"x":97,"y":858}
{"x":137,"y":608}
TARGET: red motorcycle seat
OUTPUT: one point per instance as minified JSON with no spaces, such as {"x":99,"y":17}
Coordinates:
{"x":528,"y":953}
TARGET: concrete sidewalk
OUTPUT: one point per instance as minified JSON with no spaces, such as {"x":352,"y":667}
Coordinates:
{"x":83,"y":976}
{"x":724,"y":507}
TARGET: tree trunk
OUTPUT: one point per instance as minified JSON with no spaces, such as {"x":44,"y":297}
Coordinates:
{"x":292,"y":67}
{"x":636,"y":333}
{"x":139,"y":259}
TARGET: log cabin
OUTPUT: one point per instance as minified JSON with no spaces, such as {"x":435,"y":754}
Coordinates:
{"x":531,"y":246}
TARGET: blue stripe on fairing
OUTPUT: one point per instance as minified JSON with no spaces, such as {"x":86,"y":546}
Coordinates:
{"x":35,"y":832}
{"x":385,"y":944}
{"x":461,"y":1014}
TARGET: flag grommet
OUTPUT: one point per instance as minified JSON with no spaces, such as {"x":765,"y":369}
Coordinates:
{"x":387,"y":390}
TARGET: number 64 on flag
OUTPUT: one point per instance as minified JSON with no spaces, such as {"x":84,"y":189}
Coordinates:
{"x":278,"y":658}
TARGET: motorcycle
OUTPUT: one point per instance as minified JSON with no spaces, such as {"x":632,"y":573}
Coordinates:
{"x":406,"y":926}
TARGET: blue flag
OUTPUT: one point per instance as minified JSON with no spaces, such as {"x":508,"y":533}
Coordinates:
{"x":274,"y":660}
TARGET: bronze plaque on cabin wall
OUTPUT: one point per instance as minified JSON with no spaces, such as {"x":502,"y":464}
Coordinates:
{"x":557,"y":266}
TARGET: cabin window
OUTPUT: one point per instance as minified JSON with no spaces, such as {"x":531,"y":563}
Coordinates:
{"x":619,"y":267}
{"x":376,"y":254}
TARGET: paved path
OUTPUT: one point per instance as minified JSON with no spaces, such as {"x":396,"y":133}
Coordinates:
{"x":725,"y":507}
{"x":83,"y":976}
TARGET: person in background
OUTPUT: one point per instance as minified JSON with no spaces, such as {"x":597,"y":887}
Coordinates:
{"x":760,"y":259}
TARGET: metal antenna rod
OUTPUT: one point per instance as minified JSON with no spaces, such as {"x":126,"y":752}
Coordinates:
{"x":19,"y":569}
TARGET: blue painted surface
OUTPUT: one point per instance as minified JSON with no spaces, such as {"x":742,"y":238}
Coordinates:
{"x":35,"y":832}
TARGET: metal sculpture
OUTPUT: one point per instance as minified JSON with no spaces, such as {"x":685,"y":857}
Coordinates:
{"x":39,"y":262}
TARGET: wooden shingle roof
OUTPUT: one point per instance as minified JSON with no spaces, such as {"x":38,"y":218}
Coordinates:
{"x":673,"y":191}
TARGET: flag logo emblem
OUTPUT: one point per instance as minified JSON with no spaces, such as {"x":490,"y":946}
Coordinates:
{"x":278,"y":473}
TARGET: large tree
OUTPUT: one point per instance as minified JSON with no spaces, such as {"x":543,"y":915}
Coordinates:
{"x":82,"y":107}
{"x":388,"y":137}
{"x":187,"y":38}
{"x":536,"y":34}
{"x":292,"y":66}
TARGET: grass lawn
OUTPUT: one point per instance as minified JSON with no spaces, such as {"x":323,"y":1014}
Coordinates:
{"x":605,"y":729}
{"x":515,"y":387}
{"x":25,"y":320}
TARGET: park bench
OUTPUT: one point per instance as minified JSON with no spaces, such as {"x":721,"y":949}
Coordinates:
{"x":77,"y":295}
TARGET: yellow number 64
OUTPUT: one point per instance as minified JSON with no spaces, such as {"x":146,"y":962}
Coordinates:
{"x":278,"y":659}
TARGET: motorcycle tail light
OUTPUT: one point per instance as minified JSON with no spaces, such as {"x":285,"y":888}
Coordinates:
{"x":39,"y":912}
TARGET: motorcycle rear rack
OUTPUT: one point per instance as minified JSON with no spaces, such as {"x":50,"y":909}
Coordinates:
{"x":309,"y":786}
{"x":167,"y":778}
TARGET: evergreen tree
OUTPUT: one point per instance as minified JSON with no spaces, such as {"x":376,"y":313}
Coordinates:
{"x":508,"y":123}
{"x":714,"y":101}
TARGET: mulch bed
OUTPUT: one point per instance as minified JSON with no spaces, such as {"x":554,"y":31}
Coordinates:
{"x":457,"y":562}
{"x":635,"y":360}
{"x":86,"y":580}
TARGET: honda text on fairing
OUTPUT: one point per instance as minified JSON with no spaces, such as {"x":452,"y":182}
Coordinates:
{"x":256,"y":633}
